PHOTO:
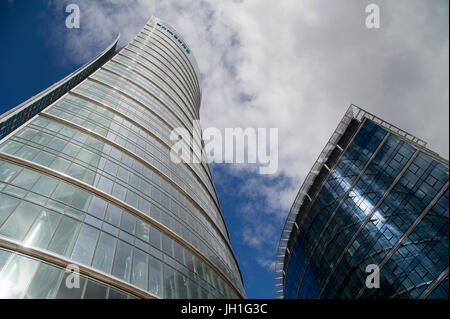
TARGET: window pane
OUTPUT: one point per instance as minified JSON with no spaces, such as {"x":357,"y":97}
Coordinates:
{"x":104,"y":253}
{"x":17,"y":225}
{"x":178,"y":250}
{"x":81,"y":199}
{"x":65,"y":292}
{"x":128,"y":222}
{"x":65,"y":236}
{"x":95,"y":290}
{"x":43,"y":228}
{"x":113,"y":214}
{"x":44,"y":281}
{"x":194,"y":290}
{"x":170,"y":291}
{"x":45,"y":185}
{"x":7,"y":205}
{"x":167,"y":245}
{"x":16,"y":276}
{"x":140,"y":269}
{"x":122,"y":261}
{"x":4,"y":255}
{"x":85,"y":246}
{"x":64,"y":193}
{"x":155,"y":237}
{"x":155,"y":280}
{"x":115,"y":294}
{"x":97,"y":207}
{"x":142,"y":230}
{"x":182,"y":288}
{"x":26,"y":178}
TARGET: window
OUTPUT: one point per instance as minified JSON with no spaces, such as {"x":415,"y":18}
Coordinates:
{"x":142,"y":231}
{"x":65,"y":236}
{"x":65,"y":292}
{"x":85,"y":245}
{"x":122,"y":261}
{"x":43,"y":229}
{"x":18,"y":223}
{"x":7,"y":205}
{"x":95,"y":290}
{"x":128,"y":222}
{"x":170,"y":291}
{"x":113,"y":214}
{"x":45,"y":185}
{"x":97,"y":207}
{"x":155,"y":277}
{"x":104,"y":254}
{"x":140,"y":269}
{"x":16,"y":276}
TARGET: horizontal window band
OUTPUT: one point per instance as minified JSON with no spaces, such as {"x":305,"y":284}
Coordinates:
{"x":58,"y":260}
{"x":176,"y":63}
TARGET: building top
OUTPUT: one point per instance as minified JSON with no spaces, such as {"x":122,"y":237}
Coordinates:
{"x":157,"y":22}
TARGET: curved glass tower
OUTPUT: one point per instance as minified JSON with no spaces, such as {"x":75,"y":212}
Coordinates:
{"x":370,"y":220}
{"x":87,"y":182}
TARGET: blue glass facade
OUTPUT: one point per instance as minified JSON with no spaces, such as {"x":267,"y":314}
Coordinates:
{"x":380,"y":199}
{"x":89,"y":181}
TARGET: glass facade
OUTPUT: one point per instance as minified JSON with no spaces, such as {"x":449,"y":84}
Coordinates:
{"x":89,"y":181}
{"x":378,"y":198}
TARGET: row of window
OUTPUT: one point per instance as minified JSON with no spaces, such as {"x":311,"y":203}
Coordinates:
{"x":134,"y":111}
{"x":132,"y":138}
{"x":22,"y":277}
{"x":135,"y":192}
{"x":139,"y":81}
{"x":169,"y":92}
{"x":156,"y":57}
{"x":161,"y":97}
{"x":188,"y":59}
{"x":174,"y":51}
{"x":107,"y":238}
{"x":155,"y":45}
{"x":154,"y":65}
{"x":124,"y":86}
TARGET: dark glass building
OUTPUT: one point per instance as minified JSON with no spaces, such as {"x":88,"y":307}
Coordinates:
{"x":86,"y":180}
{"x":376,"y":197}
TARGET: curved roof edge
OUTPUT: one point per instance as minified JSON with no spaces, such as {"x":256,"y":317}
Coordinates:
{"x":20,"y":114}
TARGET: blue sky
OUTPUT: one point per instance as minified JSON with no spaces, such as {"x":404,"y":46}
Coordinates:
{"x":294,"y":65}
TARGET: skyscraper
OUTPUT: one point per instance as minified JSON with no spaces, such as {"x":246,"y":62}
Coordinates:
{"x":86,"y":181}
{"x":370,"y":220}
